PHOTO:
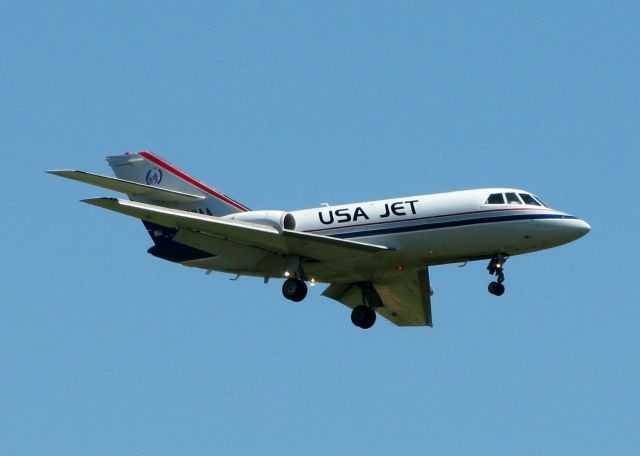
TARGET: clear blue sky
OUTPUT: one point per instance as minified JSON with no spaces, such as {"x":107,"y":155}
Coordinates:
{"x":106,"y":350}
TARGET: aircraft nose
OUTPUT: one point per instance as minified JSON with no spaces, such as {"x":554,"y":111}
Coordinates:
{"x":579,"y":228}
{"x":586,"y":227}
{"x":558,"y":231}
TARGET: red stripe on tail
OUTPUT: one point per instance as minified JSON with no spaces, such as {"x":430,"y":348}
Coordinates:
{"x":172,"y":169}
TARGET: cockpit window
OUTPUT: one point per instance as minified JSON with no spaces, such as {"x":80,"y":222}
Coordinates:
{"x":512,"y":198}
{"x":495,"y":198}
{"x":540,"y":201}
{"x":528,"y":199}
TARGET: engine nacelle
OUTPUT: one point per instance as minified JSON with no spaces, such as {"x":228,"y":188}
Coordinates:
{"x":280,"y":220}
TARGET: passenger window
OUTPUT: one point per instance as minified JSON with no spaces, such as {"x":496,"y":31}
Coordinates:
{"x":512,"y":198}
{"x":495,"y":198}
{"x":528,"y":199}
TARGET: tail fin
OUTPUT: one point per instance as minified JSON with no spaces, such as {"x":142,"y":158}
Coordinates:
{"x":147,"y":168}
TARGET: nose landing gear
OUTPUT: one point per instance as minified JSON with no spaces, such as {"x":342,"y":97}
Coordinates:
{"x":496,"y":267}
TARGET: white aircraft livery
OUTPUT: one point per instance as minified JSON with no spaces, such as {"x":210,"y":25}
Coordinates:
{"x":374,"y":255}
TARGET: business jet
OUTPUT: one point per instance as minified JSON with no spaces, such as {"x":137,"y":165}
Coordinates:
{"x":375,"y":255}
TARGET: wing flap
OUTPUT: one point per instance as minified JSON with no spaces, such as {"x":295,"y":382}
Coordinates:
{"x":406,"y":298}
{"x":322,"y":248}
{"x":129,"y":187}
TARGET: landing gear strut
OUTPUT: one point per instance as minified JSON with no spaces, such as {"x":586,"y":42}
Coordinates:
{"x":364,"y":315}
{"x":496,"y":267}
{"x":294,"y":289}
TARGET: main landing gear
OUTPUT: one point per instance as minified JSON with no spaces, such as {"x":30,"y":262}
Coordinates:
{"x":363,"y":316}
{"x":496,"y":267}
{"x":294,"y":289}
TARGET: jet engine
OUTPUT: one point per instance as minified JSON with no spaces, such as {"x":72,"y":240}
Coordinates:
{"x":279,"y":220}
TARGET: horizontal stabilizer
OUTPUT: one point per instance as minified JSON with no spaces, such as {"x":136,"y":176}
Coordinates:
{"x":158,"y":194}
{"x":268,"y":238}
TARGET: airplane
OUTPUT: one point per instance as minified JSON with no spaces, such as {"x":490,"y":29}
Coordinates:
{"x":374,"y":255}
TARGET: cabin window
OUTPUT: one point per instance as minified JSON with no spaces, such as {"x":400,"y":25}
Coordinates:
{"x":528,"y":199}
{"x":495,"y":198}
{"x":512,"y":198}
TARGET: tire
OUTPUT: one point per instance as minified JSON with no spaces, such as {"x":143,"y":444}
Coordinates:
{"x":496,"y":288}
{"x":294,"y":290}
{"x":363,"y":317}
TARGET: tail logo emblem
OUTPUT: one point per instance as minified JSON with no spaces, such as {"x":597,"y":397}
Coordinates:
{"x":154,"y":176}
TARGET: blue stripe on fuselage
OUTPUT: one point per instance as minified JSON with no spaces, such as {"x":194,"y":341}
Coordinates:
{"x":449,"y":224}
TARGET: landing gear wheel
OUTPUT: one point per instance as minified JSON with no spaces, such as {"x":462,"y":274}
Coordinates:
{"x":496,"y":267}
{"x":363,"y":317}
{"x":496,"y":288}
{"x":294,"y":289}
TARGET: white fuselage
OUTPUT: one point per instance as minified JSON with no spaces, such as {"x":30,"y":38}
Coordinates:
{"x":445,"y":227}
{"x":419,"y":231}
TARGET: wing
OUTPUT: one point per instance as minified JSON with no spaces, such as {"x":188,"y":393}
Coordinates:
{"x":128,"y":187}
{"x":404,"y":299}
{"x":321,"y":248}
